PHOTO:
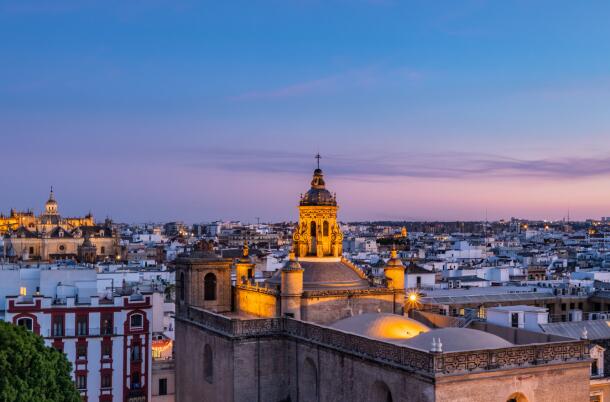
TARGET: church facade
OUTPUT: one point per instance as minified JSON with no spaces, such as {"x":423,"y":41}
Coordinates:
{"x":320,"y":330}
{"x":50,"y":237}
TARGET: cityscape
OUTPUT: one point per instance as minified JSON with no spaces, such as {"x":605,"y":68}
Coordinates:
{"x":304,"y":201}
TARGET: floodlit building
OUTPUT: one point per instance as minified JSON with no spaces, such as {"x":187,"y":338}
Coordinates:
{"x":321,"y":330}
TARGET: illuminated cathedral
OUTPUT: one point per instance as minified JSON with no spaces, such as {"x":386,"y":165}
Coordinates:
{"x":49,"y":236}
{"x":320,"y":330}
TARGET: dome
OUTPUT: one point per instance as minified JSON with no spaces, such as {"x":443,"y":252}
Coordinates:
{"x":458,"y":340}
{"x":382,"y":326}
{"x":318,"y":194}
{"x":323,"y":275}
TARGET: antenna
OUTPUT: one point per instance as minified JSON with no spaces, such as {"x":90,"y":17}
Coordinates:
{"x":318,"y":157}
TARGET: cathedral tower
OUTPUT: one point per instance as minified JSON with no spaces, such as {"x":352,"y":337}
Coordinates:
{"x":50,"y":207}
{"x":318,"y":233}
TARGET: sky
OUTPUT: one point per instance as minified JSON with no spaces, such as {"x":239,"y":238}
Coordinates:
{"x":191,"y":110}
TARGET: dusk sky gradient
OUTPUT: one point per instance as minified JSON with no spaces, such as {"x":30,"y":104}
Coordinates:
{"x":185,"y":110}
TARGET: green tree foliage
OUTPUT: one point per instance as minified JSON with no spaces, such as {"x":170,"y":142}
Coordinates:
{"x":30,"y":371}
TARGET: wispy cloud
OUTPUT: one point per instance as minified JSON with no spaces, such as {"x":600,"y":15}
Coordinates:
{"x":356,"y":78}
{"x":399,"y":164}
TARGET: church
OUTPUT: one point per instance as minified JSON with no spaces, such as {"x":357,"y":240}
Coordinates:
{"x":320,"y":330}
{"x":51,"y":237}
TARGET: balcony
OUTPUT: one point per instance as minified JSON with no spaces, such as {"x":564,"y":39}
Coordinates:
{"x":74,"y":332}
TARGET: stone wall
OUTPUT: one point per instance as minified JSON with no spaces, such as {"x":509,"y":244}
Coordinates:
{"x":259,"y":302}
{"x":281,"y":359}
{"x":557,"y":383}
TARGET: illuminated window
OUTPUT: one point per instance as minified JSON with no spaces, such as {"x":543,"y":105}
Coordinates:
{"x":23,"y":291}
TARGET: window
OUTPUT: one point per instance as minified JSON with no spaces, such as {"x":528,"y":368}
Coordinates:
{"x":106,"y":349}
{"x":312,"y":233}
{"x":514,"y":320}
{"x":136,"y":321}
{"x":31,"y":250}
{"x":102,"y":250}
{"x":58,"y":326}
{"x":62,"y":247}
{"x":135,"y":380}
{"x":162,"y":386}
{"x":26,"y":323}
{"x":81,"y":352}
{"x":81,"y":381}
{"x":325,"y":228}
{"x":418,"y":282}
{"x":106,"y":326}
{"x":135,"y":353}
{"x":182,"y":286}
{"x":209,"y":287}
{"x":208,"y":364}
{"x":106,"y":380}
{"x":81,"y":325}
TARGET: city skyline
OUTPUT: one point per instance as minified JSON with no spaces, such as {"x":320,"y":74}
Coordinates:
{"x":184,"y":111}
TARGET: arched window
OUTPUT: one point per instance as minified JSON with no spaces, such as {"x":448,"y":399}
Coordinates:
{"x":309,"y":382}
{"x":325,"y":228}
{"x":208,"y":363}
{"x":313,"y":229}
{"x":26,"y":323}
{"x":182,"y":286}
{"x":209,"y":287}
{"x":136,"y":321}
{"x":517,"y":397}
{"x":381,"y":392}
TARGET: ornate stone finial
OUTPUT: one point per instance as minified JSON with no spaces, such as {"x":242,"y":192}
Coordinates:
{"x":246,"y":249}
{"x":584,"y":334}
{"x":433,"y":347}
{"x":439,"y":345}
{"x":393,"y":252}
{"x":318,"y":157}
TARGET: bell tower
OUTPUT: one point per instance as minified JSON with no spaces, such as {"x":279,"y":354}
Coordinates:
{"x":318,"y":233}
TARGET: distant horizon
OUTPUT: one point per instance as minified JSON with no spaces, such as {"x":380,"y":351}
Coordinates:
{"x":101,"y":218}
{"x":181,"y":110}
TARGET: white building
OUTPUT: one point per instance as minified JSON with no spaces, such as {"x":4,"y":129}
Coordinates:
{"x":106,"y":337}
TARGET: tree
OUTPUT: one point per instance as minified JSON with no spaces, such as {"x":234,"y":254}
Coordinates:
{"x":31,"y":371}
